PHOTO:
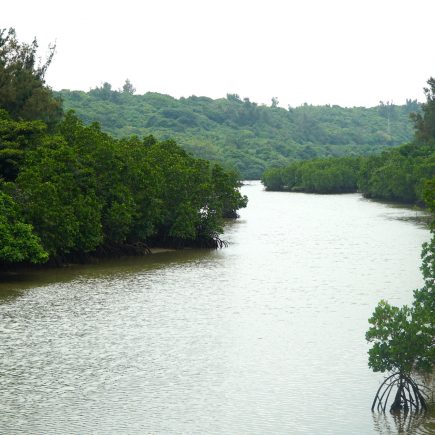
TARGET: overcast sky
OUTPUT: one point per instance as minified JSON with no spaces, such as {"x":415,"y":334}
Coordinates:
{"x":345,"y":52}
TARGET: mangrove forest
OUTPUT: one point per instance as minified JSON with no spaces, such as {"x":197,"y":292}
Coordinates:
{"x":69,"y":190}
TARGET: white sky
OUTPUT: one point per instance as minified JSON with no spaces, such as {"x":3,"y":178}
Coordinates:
{"x":346,"y":52}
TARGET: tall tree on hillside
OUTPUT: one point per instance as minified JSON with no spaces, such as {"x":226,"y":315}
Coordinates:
{"x":128,"y":87}
{"x":275,"y":102}
{"x":23,"y":92}
{"x":424,"y":123}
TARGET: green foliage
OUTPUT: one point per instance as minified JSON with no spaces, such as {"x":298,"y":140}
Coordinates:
{"x":400,"y":340}
{"x":319,"y":175}
{"x":424,"y":298}
{"x":424,"y":122}
{"x":403,"y":338}
{"x":72,"y":189}
{"x":229,"y":198}
{"x":80,"y":189}
{"x":15,"y":138}
{"x":128,"y":87}
{"x":241,"y":134}
{"x":57,"y":196}
{"x":18,"y":242}
{"x":23,"y":93}
{"x":398,"y":174}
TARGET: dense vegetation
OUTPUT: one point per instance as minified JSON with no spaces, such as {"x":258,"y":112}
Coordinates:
{"x":242,"y":134}
{"x":67,"y":189}
{"x":397,"y":174}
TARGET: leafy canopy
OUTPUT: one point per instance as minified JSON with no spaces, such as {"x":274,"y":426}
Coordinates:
{"x":23,"y":92}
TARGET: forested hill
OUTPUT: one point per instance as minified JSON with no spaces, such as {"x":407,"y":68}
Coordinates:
{"x":241,"y":133}
{"x":402,"y":173}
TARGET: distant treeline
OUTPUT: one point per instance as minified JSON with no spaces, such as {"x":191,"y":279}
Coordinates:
{"x":68,"y":190}
{"x":242,"y":134}
{"x":398,"y":174}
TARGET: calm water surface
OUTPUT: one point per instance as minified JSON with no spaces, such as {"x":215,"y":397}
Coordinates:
{"x":263,"y":337}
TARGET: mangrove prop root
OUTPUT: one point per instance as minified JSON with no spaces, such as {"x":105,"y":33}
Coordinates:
{"x":408,"y":397}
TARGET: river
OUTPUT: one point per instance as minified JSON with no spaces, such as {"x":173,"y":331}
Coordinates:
{"x":263,"y":337}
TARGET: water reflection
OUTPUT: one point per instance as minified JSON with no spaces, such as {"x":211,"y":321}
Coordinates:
{"x":415,"y":423}
{"x":12,"y":284}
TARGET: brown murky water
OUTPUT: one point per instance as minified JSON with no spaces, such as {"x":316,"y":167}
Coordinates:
{"x":265,"y":336}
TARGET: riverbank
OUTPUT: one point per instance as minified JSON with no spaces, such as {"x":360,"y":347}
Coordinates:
{"x":87,"y":258}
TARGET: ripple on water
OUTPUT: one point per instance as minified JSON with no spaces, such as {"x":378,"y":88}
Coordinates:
{"x":266,"y":336}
